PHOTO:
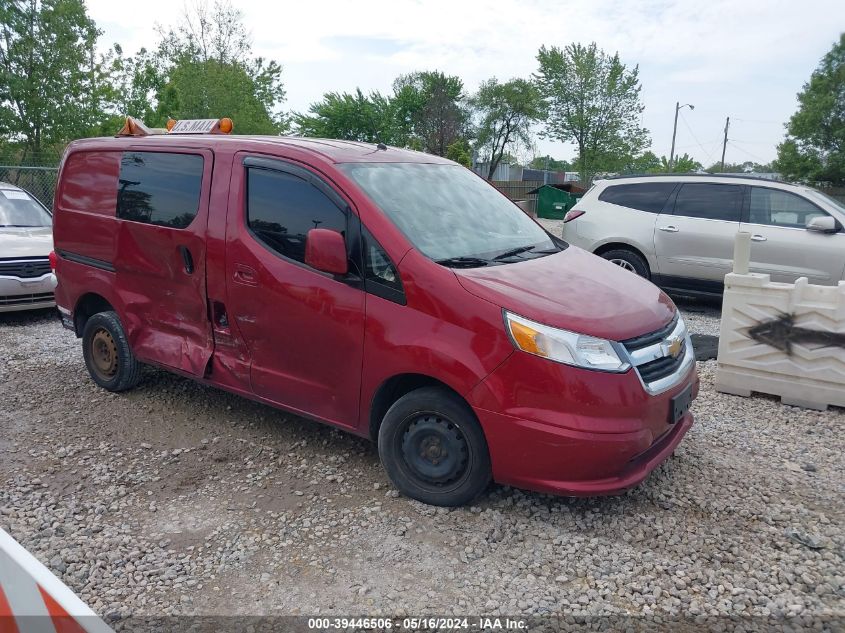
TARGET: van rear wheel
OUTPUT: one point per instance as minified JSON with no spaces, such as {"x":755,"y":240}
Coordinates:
{"x":628,"y":260}
{"x":110,"y":362}
{"x":433,"y":448}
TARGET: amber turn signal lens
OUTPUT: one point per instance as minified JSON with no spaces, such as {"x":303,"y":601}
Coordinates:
{"x":226,"y":125}
{"x":526,"y":338}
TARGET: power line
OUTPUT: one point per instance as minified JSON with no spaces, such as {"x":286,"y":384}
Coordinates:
{"x":745,"y":151}
{"x":695,"y":138}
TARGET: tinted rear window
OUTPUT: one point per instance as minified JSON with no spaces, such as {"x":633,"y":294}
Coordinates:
{"x":709,"y":201}
{"x":645,"y":196}
{"x":159,"y":188}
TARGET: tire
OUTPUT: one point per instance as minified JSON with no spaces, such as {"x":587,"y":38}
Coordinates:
{"x":628,"y":260}
{"x":109,"y":360}
{"x":455,"y":467}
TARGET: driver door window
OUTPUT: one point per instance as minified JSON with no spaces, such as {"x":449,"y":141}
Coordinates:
{"x":780,"y":208}
{"x":282,"y":208}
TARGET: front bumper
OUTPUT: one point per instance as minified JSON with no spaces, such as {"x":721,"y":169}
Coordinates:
{"x":27,"y":294}
{"x":575,"y":432}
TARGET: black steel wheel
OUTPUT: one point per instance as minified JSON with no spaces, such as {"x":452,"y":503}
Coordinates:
{"x":109,"y":360}
{"x":434,"y":449}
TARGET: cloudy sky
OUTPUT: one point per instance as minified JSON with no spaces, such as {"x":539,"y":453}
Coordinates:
{"x":740,"y":58}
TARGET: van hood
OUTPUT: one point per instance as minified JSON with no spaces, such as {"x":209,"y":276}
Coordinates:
{"x":576,"y":291}
{"x":19,"y":241}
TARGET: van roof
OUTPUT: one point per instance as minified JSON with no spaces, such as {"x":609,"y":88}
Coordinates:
{"x":333,"y":150}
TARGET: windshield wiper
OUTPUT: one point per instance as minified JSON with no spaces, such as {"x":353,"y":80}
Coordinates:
{"x":463,"y":262}
{"x":514,"y":251}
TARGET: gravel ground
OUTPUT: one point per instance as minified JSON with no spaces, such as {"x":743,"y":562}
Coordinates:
{"x":180,"y":499}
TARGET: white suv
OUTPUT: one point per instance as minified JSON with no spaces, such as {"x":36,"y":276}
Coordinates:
{"x":679,"y":230}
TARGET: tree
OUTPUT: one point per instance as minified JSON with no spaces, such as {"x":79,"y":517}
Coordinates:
{"x":550,"y":164}
{"x":210,"y":73}
{"x":646,"y":163}
{"x":353,"y":117}
{"x":748,"y":167}
{"x":51,"y":82}
{"x":429,"y":106}
{"x":593,"y":100}
{"x":681,"y":165}
{"x":814,"y":148}
{"x":460,"y":152}
{"x":506,"y":112}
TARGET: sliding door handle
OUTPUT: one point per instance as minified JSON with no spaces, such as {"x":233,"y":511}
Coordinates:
{"x":187,"y":259}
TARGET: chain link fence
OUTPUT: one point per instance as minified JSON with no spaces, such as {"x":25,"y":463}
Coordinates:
{"x":39,"y":181}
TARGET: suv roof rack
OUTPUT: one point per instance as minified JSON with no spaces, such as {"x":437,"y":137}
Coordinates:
{"x":738,"y":176}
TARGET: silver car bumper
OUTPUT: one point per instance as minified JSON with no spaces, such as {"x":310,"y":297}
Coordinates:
{"x":27,"y":294}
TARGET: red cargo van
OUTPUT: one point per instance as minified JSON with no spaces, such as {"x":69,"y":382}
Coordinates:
{"x":390,"y":293}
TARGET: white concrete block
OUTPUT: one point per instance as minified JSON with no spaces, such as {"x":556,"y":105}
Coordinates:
{"x":787,"y":340}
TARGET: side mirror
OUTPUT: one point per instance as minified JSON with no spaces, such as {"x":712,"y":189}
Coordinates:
{"x":325,"y":250}
{"x":824,"y":224}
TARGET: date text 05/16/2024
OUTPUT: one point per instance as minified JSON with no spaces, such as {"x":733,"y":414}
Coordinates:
{"x":414,"y":624}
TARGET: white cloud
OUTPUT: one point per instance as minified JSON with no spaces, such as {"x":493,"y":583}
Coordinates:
{"x":740,"y":59}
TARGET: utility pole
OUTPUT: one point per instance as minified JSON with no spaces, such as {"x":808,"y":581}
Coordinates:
{"x":674,"y":132}
{"x":678,"y":107}
{"x":725,"y":142}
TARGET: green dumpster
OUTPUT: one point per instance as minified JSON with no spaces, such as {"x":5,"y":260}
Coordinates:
{"x":554,"y":200}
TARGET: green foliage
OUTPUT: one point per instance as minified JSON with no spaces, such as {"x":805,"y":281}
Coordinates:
{"x":52,"y":85}
{"x":204,"y":69}
{"x":460,"y":152}
{"x":646,"y":163}
{"x":55,"y":88}
{"x":429,"y":107}
{"x":506,"y":112}
{"x":550,"y":164}
{"x":814,"y":148}
{"x":748,"y":167}
{"x":353,"y":117}
{"x":681,"y":165}
{"x":592,"y":100}
{"x":425,"y":112}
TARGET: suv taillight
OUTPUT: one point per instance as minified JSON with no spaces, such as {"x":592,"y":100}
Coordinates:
{"x":53,"y":257}
{"x":572,"y":214}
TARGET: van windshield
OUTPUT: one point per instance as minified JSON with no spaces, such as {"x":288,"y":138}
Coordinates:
{"x":450,"y":214}
{"x":18,"y":208}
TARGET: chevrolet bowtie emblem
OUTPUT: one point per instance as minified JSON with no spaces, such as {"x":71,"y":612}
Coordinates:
{"x":673,"y":347}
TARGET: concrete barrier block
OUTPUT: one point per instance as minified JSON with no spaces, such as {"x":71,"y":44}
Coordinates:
{"x":786,"y":340}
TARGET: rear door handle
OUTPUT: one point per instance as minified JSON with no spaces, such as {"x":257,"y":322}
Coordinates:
{"x":758,"y":238}
{"x":668,"y":229}
{"x":187,"y":259}
{"x":245,"y":275}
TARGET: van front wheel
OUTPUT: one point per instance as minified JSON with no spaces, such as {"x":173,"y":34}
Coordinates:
{"x":433,"y":448}
{"x":109,"y":360}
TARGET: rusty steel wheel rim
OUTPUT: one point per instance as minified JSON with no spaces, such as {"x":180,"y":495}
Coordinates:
{"x":104,"y":354}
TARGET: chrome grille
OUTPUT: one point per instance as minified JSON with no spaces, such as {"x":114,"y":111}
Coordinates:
{"x":652,"y":355}
{"x":25,"y":267}
{"x":23,"y":300}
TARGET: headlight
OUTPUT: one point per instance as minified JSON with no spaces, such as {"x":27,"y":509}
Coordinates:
{"x":563,"y":346}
